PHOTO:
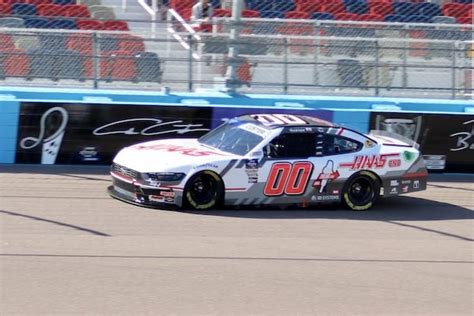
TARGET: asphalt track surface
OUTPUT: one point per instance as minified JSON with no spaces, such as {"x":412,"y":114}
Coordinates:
{"x":68,"y":248}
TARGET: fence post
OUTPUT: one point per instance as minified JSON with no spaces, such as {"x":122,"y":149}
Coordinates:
{"x":377,"y":61}
{"x":405,"y":58}
{"x":316,"y":52}
{"x":190,"y":63}
{"x":285,"y":67}
{"x":453,"y":73}
{"x":96,"y":60}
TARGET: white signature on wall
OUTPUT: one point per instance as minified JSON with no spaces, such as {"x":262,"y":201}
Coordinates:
{"x":154,"y":127}
{"x":465,"y":140}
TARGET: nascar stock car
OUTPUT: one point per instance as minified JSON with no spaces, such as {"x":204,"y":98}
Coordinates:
{"x":269,"y":159}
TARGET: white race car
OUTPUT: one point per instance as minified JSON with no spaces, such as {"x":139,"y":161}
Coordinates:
{"x":269,"y":159}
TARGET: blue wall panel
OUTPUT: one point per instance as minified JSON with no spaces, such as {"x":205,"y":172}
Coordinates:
{"x":9,"y":114}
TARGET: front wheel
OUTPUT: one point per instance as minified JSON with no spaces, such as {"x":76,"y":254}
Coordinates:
{"x":203,"y":191}
{"x":361,"y":191}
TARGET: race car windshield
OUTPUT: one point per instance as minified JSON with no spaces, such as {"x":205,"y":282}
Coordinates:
{"x":236,"y":137}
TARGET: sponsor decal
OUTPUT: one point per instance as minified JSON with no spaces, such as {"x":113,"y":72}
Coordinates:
{"x":416,"y":184}
{"x":394,"y":190}
{"x":89,"y":154}
{"x":254,"y":129}
{"x":408,"y":155}
{"x":327,"y":174}
{"x":464,"y":140}
{"x":406,"y":182}
{"x":405,"y":188}
{"x":300,"y":130}
{"x":251,"y":169}
{"x":327,"y":198}
{"x":207,"y":165}
{"x":394,"y":163}
{"x":368,"y":161}
{"x":156,"y":198}
{"x":188,"y":151}
{"x":167,"y":193}
{"x":394,"y":183}
{"x":369,"y":144}
{"x":52,"y":126}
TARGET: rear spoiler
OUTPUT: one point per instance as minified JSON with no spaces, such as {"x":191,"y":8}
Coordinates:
{"x":396,"y":136}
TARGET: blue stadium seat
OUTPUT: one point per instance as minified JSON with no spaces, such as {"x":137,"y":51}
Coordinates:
{"x":322,"y":16}
{"x":284,"y":5}
{"x":24,"y":9}
{"x":418,"y":19}
{"x":260,"y":5}
{"x":41,"y":63}
{"x":64,"y":2}
{"x":36,"y":23}
{"x":429,"y":9}
{"x":67,"y":24}
{"x":405,"y":8}
{"x":272,"y":14}
{"x":148,"y":67}
{"x":395,"y":18}
{"x":68,"y":65}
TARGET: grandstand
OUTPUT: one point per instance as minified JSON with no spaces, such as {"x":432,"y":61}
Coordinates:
{"x":346,"y":47}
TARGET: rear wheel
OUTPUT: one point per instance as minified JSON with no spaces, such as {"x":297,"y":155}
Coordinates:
{"x":203,"y":191}
{"x":361,"y":191}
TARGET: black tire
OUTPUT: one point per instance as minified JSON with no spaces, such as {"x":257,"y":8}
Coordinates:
{"x":203,"y":191}
{"x":361,"y":191}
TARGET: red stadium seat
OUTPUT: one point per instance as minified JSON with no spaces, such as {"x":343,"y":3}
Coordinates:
{"x":82,"y":43}
{"x":334,"y":8}
{"x":372,"y":2}
{"x":7,"y":41}
{"x":50,"y":10}
{"x":5,"y":9}
{"x":250,"y":14}
{"x":115,"y":25}
{"x":179,"y":5}
{"x":222,"y":13}
{"x":131,"y":44}
{"x":118,"y":65}
{"x":297,"y":15}
{"x":381,"y":8}
{"x":90,"y":25}
{"x":185,"y":13}
{"x":76,"y":11}
{"x":464,"y":19}
{"x":370,"y":17}
{"x":38,"y":2}
{"x":15,"y":62}
{"x":14,"y":1}
{"x":347,"y":16}
{"x":455,"y":9}
{"x":309,"y":6}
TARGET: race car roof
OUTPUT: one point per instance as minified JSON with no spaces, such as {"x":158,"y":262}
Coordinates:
{"x":282,"y":119}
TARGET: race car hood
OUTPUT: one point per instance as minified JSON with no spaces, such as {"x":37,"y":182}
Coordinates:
{"x":169,"y":154}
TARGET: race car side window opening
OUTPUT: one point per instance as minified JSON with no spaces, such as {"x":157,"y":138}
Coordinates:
{"x":292,"y":145}
{"x":336,"y":145}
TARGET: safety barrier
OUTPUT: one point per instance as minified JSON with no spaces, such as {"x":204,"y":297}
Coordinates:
{"x":88,"y":126}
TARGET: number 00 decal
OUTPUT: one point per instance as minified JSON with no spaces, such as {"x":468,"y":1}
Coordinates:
{"x":287,"y":178}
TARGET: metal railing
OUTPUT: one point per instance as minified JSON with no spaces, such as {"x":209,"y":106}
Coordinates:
{"x":331,"y":58}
